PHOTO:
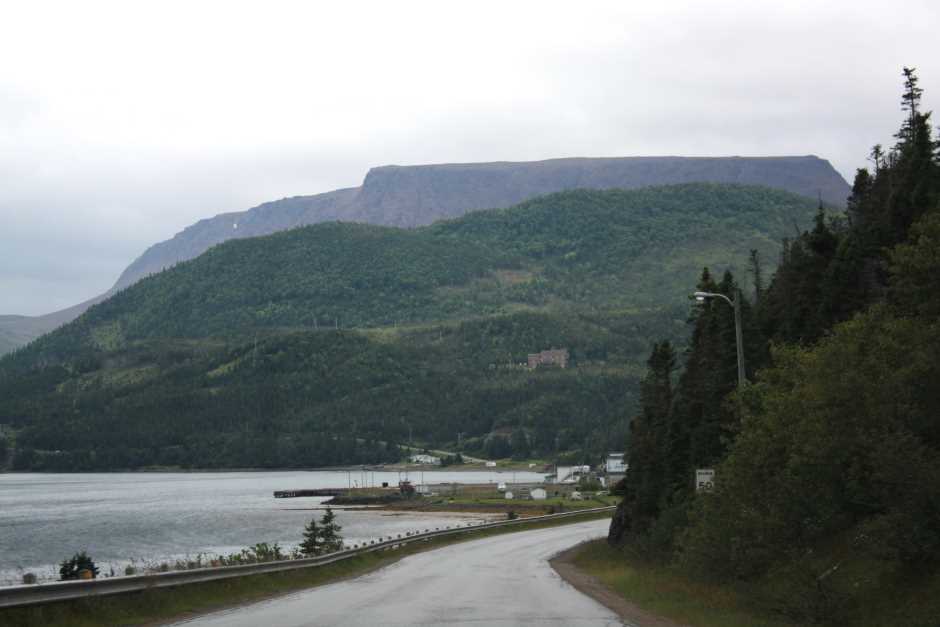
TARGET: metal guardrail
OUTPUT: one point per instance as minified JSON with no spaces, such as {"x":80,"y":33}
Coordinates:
{"x":35,"y":594}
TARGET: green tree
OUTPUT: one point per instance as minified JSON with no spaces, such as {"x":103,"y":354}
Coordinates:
{"x":647,"y":484}
{"x":915,"y":286}
{"x":330,"y":538}
{"x":322,"y":538}
{"x":519,"y":444}
{"x":497,"y":447}
{"x":312,"y":544}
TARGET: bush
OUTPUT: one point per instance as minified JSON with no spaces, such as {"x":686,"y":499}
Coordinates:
{"x":71,"y":568}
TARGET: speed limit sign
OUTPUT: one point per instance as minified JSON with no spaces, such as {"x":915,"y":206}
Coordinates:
{"x":704,"y":479}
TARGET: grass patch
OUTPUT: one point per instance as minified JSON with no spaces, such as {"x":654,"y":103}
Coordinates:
{"x":179,"y":602}
{"x":867,"y":594}
{"x":662,"y":591}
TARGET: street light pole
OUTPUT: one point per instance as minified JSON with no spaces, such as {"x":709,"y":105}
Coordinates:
{"x":738,"y":332}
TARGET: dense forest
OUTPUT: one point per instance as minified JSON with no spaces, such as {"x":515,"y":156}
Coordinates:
{"x":827,"y":465}
{"x":337,"y":342}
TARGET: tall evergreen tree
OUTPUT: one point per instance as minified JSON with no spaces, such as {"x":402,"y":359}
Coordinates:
{"x":646,"y":485}
{"x":312,"y":543}
{"x":330,"y":538}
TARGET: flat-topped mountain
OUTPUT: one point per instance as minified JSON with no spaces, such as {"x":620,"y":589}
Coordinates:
{"x":410,"y":196}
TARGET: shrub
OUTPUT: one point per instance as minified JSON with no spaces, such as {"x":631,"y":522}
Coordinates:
{"x":71,"y":568}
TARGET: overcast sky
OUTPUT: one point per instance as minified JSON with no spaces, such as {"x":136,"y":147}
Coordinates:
{"x":121,"y":123}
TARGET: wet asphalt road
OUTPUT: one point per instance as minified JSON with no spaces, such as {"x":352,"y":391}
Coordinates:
{"x":502,"y":580}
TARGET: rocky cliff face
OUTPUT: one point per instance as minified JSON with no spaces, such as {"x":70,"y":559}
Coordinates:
{"x":410,"y":196}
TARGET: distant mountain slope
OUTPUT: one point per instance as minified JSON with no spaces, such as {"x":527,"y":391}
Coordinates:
{"x":409,"y":196}
{"x":231,"y":360}
{"x":573,"y":249}
{"x":412,"y":196}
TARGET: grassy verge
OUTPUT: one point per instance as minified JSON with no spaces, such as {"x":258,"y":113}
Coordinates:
{"x":176,"y":603}
{"x":862,"y":593}
{"x":664,"y":592}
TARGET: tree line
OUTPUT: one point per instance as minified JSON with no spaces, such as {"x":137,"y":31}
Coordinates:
{"x":827,"y":485}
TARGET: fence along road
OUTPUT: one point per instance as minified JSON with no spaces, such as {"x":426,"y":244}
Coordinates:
{"x":69,"y":590}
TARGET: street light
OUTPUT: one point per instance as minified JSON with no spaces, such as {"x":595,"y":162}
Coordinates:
{"x":738,"y":334}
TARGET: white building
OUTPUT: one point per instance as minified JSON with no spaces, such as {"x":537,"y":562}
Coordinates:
{"x":615,"y":463}
{"x":616,"y":467}
{"x":426,"y":459}
{"x":568,"y":474}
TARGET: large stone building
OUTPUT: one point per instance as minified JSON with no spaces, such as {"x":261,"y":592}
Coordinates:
{"x":553,"y":357}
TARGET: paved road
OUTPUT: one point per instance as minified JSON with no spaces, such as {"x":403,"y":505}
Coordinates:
{"x":501,"y":580}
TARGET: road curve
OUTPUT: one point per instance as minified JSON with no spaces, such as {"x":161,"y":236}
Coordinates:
{"x":500,"y":580}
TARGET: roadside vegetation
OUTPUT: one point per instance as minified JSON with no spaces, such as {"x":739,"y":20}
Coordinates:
{"x":826,"y":505}
{"x":666,"y":592}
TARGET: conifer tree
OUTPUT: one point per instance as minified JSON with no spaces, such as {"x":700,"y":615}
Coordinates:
{"x":330,"y":538}
{"x":312,"y":544}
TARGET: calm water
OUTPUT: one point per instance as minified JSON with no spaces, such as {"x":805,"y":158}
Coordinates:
{"x":149,"y":517}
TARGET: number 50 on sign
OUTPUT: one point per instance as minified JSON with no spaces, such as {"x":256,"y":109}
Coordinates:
{"x":704,"y":479}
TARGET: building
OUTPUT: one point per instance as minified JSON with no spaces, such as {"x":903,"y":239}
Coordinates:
{"x":568,"y":474}
{"x":615,"y":468}
{"x":552,"y":357}
{"x":425,"y":459}
{"x":615,"y":463}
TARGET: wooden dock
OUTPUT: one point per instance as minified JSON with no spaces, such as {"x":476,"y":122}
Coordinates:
{"x":293,"y":494}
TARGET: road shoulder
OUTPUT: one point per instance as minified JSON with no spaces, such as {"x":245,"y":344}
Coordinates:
{"x":630,"y":613}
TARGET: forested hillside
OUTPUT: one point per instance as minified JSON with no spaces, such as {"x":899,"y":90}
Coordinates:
{"x":409,"y":196}
{"x":316,"y":345}
{"x":826,"y":506}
